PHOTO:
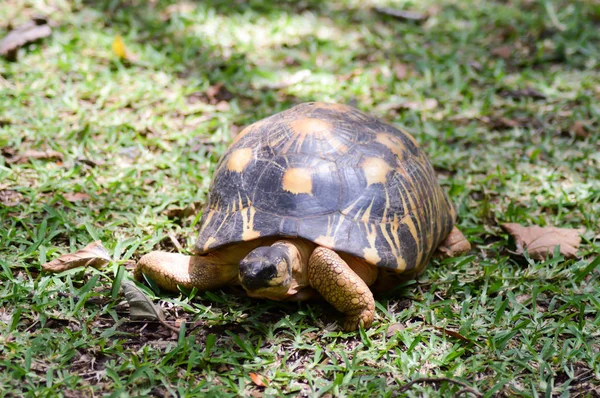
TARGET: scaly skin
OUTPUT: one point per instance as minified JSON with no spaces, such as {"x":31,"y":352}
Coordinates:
{"x":341,"y":287}
{"x":170,"y":270}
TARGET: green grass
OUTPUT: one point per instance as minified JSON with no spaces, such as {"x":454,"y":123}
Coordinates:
{"x":145,"y":137}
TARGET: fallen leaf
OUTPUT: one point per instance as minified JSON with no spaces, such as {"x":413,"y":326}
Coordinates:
{"x":505,"y":122}
{"x":218,"y":92}
{"x":259,"y":380}
{"x":500,"y":122}
{"x":8,"y":152}
{"x":353,"y":73}
{"x":427,"y":105}
{"x":213,"y":95}
{"x":454,"y":244}
{"x":394,"y":328}
{"x":222,"y":368}
{"x":234,"y":130}
{"x":22,"y":35}
{"x":141,"y":306}
{"x":476,"y":65}
{"x":120,"y":50}
{"x":402,"y":15}
{"x":400,"y":71}
{"x":76,"y":196}
{"x":539,"y":242}
{"x":183,"y":212}
{"x":181,"y":8}
{"x":10,"y":198}
{"x":93,"y":255}
{"x":522,"y":93}
{"x":174,"y":240}
{"x":503,"y":52}
{"x":33,"y":154}
{"x":130,"y":265}
{"x":578,"y":128}
{"x":451,"y":333}
{"x":91,"y":162}
{"x":287,"y":81}
{"x":223,"y":106}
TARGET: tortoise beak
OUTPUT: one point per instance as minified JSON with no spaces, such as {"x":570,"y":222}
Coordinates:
{"x":255,"y":275}
{"x":264,"y":267}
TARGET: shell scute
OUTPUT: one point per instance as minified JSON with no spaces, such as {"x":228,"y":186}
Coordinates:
{"x":334,"y":175}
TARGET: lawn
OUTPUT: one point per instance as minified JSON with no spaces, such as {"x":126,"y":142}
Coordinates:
{"x":502,"y":95}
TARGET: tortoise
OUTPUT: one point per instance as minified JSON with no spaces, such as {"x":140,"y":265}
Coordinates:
{"x":318,"y":200}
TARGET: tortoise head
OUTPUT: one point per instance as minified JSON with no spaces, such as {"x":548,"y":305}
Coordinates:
{"x":266,"y":271}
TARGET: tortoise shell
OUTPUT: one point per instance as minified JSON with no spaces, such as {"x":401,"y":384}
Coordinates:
{"x":332,"y":175}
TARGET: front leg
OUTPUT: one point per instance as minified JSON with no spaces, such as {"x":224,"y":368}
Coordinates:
{"x":170,"y":270}
{"x":341,"y":287}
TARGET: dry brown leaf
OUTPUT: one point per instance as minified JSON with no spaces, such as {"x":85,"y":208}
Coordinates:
{"x":181,"y":7}
{"x":76,"y":196}
{"x":394,"y":328}
{"x":129,"y":265}
{"x":234,"y":130}
{"x":400,"y":71}
{"x":217,"y":93}
{"x":93,"y":255}
{"x":522,"y":93}
{"x":578,"y":128}
{"x":503,"y":52}
{"x":213,"y":95}
{"x":27,"y":33}
{"x":174,"y":240}
{"x":91,"y":162}
{"x":222,"y":368}
{"x":427,"y":105}
{"x":33,"y":154}
{"x":183,"y":212}
{"x":259,"y":380}
{"x":10,"y":198}
{"x":402,"y":15}
{"x":141,"y":307}
{"x":505,"y":122}
{"x":451,"y":333}
{"x":539,"y":242}
{"x":223,"y":106}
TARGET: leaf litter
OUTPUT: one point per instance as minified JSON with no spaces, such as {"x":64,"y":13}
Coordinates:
{"x":28,"y":155}
{"x":10,"y":197}
{"x":402,"y":15}
{"x":93,"y":255}
{"x":30,"y":32}
{"x":76,"y":196}
{"x":259,"y":380}
{"x":540,"y":242}
{"x":141,"y":307}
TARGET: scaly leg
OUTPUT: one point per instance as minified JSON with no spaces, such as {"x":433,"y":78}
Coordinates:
{"x":341,"y":287}
{"x":170,"y":270}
